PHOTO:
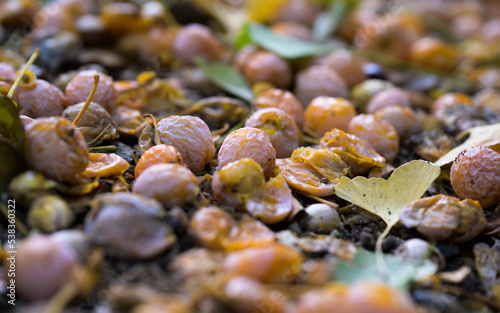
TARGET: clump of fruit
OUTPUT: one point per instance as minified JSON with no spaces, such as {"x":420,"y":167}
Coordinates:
{"x":444,"y":217}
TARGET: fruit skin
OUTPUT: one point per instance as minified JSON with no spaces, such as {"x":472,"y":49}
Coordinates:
{"x":299,"y":11}
{"x":129,"y":226}
{"x":360,"y":297}
{"x":386,"y":98}
{"x":195,"y":40}
{"x":280,"y":127}
{"x":42,"y":100}
{"x":96,"y":124}
{"x":157,"y":155}
{"x":56,"y":148}
{"x":443,"y":217}
{"x":7,"y":72}
{"x":234,"y":183}
{"x":348,"y":66}
{"x":105,"y":165}
{"x":325,"y":113}
{"x":78,"y":89}
{"x":281,"y":99}
{"x":263,"y":66}
{"x":211,"y":226}
{"x":191,"y":136}
{"x":273,"y":263}
{"x":171,"y":184}
{"x":319,"y":80}
{"x":314,"y":171}
{"x":450,"y":99}
{"x":475,"y":174}
{"x":434,"y":53}
{"x":380,"y":135}
{"x":404,"y":120}
{"x":291,"y":29}
{"x":43,"y":266}
{"x":355,"y":152}
{"x":248,"y":142}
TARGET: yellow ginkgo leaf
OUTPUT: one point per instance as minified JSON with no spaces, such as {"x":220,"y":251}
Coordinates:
{"x":488,"y":135}
{"x":263,"y":10}
{"x":386,"y":198}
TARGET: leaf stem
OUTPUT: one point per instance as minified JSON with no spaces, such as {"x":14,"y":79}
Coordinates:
{"x":102,"y":148}
{"x":382,"y":267}
{"x":62,"y":298}
{"x":21,"y":74}
{"x":19,"y":224}
{"x":79,"y":117}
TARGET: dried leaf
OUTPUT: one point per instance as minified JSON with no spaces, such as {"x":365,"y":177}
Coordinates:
{"x":488,"y":135}
{"x":227,"y":78}
{"x":402,"y":273}
{"x":386,"y":198}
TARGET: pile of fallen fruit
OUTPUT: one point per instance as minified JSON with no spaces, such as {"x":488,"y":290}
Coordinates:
{"x":250,"y":156}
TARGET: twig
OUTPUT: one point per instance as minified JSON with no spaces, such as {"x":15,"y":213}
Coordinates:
{"x":492,"y":303}
{"x":331,"y":204}
{"x":79,"y":117}
{"x":21,"y":74}
{"x":19,"y":224}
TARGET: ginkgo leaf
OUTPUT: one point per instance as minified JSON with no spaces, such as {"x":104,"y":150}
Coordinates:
{"x":488,"y":135}
{"x":386,"y":198}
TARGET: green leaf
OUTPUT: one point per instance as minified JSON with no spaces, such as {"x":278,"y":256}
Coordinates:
{"x":243,"y":37}
{"x":11,"y":163}
{"x":11,"y":126}
{"x":328,"y":22}
{"x":286,"y":47}
{"x":402,"y":271}
{"x":227,"y":78}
